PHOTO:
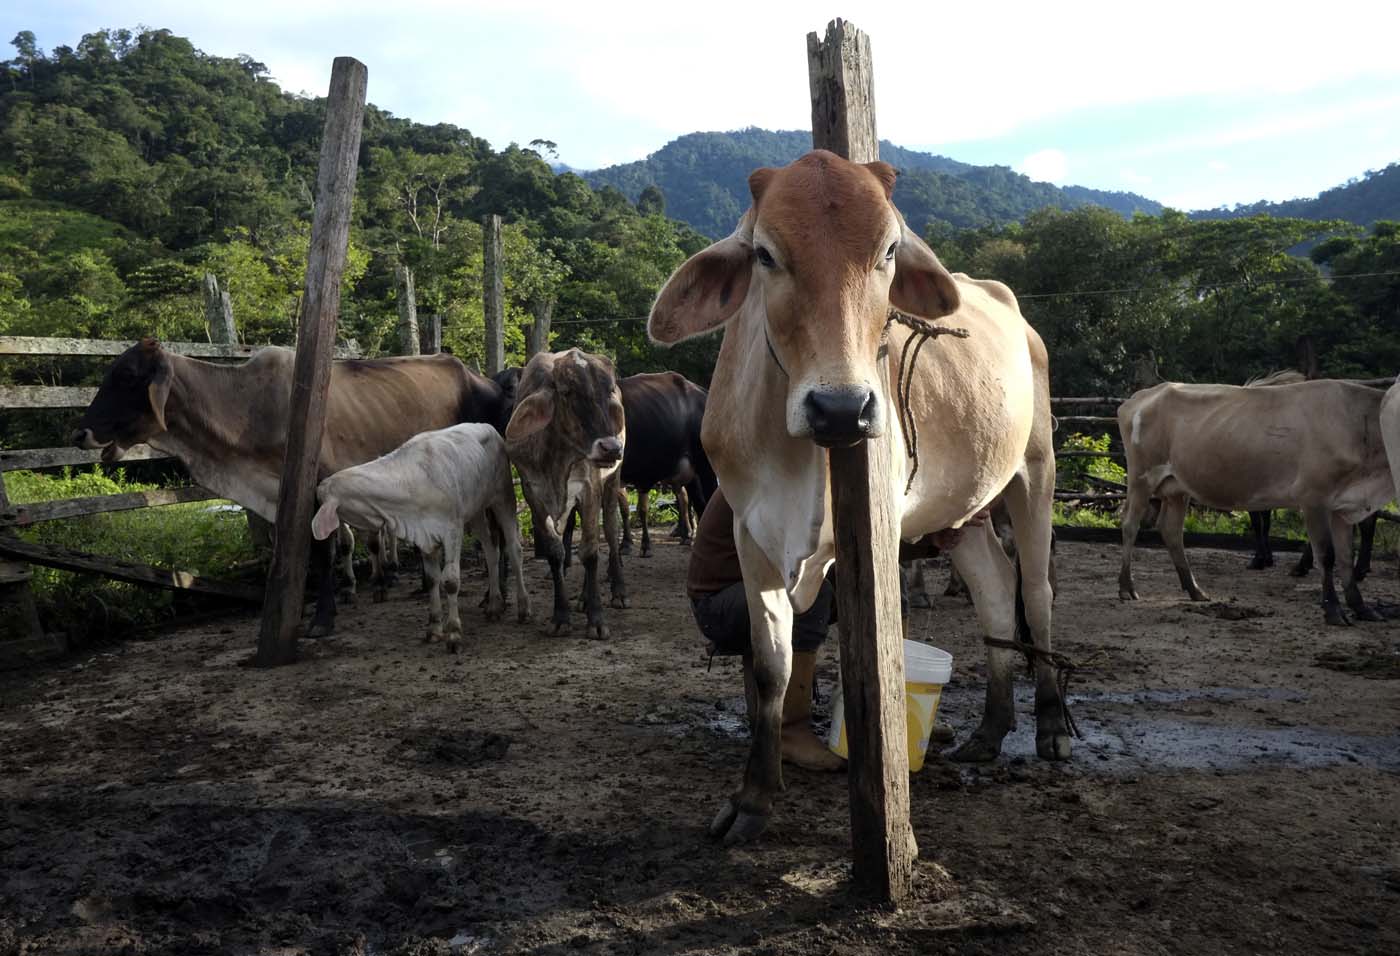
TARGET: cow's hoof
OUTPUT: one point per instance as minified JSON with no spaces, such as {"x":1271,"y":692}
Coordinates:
{"x":1359,"y":574}
{"x":736,"y":826}
{"x":1127,"y":594}
{"x":1053,"y":746}
{"x":432,"y":637}
{"x":318,"y":630}
{"x":978,"y":749}
{"x":380,"y":595}
{"x":454,"y":646}
{"x":1259,"y":564}
{"x":1196,"y":594}
{"x":522,"y":616}
{"x":685,"y":542}
{"x":625,"y":547}
{"x":495,"y":610}
{"x":620,"y":601}
{"x":598,"y":631}
{"x":346,"y":597}
{"x":646,"y":550}
{"x":1336,"y":616}
{"x":1367,"y":613}
{"x":919,"y":600}
{"x":1298,"y":571}
{"x":391,"y":579}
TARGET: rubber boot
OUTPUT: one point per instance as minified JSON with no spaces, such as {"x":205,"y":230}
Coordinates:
{"x":800,"y":745}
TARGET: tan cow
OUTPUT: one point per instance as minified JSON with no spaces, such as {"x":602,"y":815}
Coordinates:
{"x":805,"y":286}
{"x":1315,"y":446}
{"x":566,"y":439}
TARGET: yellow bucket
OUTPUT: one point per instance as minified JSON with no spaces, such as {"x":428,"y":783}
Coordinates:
{"x":926,"y":670}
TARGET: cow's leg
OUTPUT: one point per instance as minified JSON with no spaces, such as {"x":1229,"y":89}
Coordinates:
{"x":495,"y":598}
{"x":1134,"y":510}
{"x":1259,"y":526}
{"x":593,"y":497}
{"x":568,"y":542}
{"x":503,"y":512}
{"x":915,"y":586}
{"x":624,"y":511}
{"x":1305,"y":560}
{"x":432,"y":567}
{"x":745,"y":814}
{"x":616,"y":585}
{"x":991,"y":580}
{"x":452,"y":587}
{"x":345,"y":556}
{"x":1368,"y":543}
{"x":1341,"y":549}
{"x":1172,"y":524}
{"x":1028,"y":501}
{"x":682,"y":529}
{"x":644,"y":517}
{"x":379,"y":593}
{"x":391,"y":558}
{"x":323,"y":574}
{"x":1319,"y":524}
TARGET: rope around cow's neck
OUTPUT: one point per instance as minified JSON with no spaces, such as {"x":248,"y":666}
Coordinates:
{"x":923,"y":331}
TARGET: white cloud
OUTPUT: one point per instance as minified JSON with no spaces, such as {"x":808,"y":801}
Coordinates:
{"x":1046,"y":165}
{"x":1218,"y":166}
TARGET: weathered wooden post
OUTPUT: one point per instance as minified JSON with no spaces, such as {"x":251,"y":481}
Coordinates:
{"x":408,"y":311}
{"x":867,"y":534}
{"x":218,"y":311}
{"x":330,"y":233}
{"x":493,"y":293}
{"x":431,"y":334}
{"x":21,"y":636}
{"x":537,"y":338}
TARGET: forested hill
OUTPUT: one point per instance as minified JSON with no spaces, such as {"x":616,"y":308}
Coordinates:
{"x":1374,"y":197}
{"x":704,"y":179}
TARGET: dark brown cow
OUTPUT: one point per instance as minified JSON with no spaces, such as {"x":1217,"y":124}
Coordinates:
{"x":566,"y":440}
{"x":228,"y":423}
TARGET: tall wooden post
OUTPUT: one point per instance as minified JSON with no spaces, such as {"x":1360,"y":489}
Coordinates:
{"x":311,"y":375}
{"x":537,"y":339}
{"x":867,"y":534}
{"x":493,"y":293}
{"x":431,"y":334}
{"x":218,"y":311}
{"x":21,"y":636}
{"x":408,"y":312}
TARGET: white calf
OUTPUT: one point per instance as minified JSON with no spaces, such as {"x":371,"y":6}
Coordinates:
{"x":424,"y":492}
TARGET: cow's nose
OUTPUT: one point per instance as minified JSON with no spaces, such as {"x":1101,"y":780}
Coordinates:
{"x":606,"y":451}
{"x":841,"y":416}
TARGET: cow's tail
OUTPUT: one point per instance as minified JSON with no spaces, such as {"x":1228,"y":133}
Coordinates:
{"x":327,"y":519}
{"x":1023,"y":627}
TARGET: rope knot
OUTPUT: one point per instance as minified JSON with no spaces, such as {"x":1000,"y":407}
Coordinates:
{"x":1064,"y":670}
{"x":923,"y":330}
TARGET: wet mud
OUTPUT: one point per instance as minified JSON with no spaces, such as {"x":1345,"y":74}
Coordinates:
{"x":1237,"y":789}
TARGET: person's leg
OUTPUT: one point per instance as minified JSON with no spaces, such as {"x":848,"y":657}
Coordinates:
{"x":800,"y":745}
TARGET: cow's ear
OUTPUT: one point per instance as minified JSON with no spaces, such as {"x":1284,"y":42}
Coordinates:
{"x":887,"y":175}
{"x":158,"y":389}
{"x":327,"y":519}
{"x":706,"y":290}
{"x":921,"y":285}
{"x":530,"y":416}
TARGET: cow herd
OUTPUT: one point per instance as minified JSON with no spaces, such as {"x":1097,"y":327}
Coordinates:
{"x":840,"y":326}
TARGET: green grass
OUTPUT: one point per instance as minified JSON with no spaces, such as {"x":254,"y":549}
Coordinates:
{"x":196,"y":536}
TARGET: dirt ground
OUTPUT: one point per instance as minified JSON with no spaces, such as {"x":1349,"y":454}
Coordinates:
{"x":549,"y":795}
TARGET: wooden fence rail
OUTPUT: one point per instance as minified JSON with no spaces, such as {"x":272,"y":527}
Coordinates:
{"x":32,"y":345}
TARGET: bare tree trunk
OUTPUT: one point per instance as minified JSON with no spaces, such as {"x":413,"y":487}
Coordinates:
{"x":493,"y":294}
{"x":408,"y":312}
{"x":218,"y":311}
{"x":430,"y":335}
{"x":537,"y":340}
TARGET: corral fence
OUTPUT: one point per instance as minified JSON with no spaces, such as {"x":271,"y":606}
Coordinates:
{"x":21,"y":637}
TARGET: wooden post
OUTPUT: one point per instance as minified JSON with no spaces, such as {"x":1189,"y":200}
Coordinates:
{"x":537,"y":340}
{"x":21,"y":636}
{"x":408,"y":312}
{"x":218,"y":311}
{"x":493,"y":294}
{"x":431,"y":334}
{"x":1307,"y":357}
{"x":867,"y":534}
{"x":311,"y":375}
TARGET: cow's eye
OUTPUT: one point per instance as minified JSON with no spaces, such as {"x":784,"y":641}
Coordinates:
{"x":889,"y":253}
{"x":765,"y":258}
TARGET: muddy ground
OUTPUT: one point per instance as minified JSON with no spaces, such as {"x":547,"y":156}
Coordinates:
{"x":548,"y":795}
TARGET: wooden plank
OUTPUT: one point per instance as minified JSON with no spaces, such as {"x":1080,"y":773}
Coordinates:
{"x":867,"y":535}
{"x":66,"y":559}
{"x":38,"y":458}
{"x":493,"y":293}
{"x":30,"y":345}
{"x":1088,"y":401}
{"x":1149,"y":538}
{"x":22,"y":516}
{"x":311,"y":375}
{"x":1085,"y":453}
{"x":1087,"y":419}
{"x":45,"y":396}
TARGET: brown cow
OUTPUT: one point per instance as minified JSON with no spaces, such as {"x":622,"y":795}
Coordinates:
{"x":228,"y":423}
{"x":566,"y":439}
{"x":1315,"y":446}
{"x":805,"y":287}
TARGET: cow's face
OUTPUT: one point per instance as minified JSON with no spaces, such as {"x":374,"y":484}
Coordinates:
{"x":575,"y":395}
{"x":129,"y":407}
{"x":822,"y":256}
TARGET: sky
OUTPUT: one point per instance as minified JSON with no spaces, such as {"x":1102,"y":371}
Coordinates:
{"x":1194,"y":104}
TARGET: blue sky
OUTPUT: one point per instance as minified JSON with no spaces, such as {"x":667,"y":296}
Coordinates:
{"x":1194,"y":104}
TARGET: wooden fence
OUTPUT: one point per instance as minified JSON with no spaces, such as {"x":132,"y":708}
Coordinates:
{"x":20,"y":635}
